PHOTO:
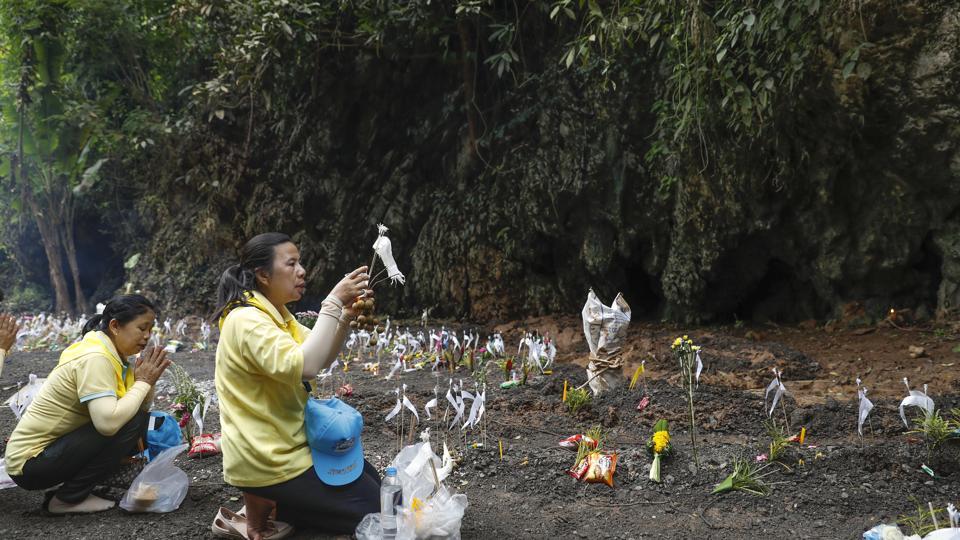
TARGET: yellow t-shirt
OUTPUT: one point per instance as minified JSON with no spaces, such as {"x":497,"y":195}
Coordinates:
{"x":61,"y":405}
{"x":261,"y":394}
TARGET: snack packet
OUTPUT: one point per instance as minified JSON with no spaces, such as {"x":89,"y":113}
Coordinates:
{"x":345,"y":391}
{"x":204,"y":445}
{"x":601,"y":468}
{"x":643,"y":403}
{"x":573,"y":442}
{"x":580,"y":469}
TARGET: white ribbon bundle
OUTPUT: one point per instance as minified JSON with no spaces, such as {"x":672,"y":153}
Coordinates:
{"x":432,"y":403}
{"x":699,"y":367}
{"x":776,"y":386}
{"x":865,"y":407}
{"x":476,"y":410}
{"x":916,"y":399}
{"x":199,"y":415}
{"x":402,"y":402}
{"x":396,"y":368}
{"x":455,"y":398}
{"x":384,"y":250}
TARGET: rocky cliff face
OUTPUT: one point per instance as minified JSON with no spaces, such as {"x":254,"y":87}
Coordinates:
{"x":856,"y":199}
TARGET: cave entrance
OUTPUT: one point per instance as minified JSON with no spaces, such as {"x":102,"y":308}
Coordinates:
{"x":780,"y":295}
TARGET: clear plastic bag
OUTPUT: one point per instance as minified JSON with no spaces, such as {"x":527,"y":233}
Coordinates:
{"x":429,"y":511}
{"x":884,"y":532}
{"x":369,"y":527}
{"x":160,"y":487}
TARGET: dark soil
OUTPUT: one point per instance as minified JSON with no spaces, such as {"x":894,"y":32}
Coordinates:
{"x":843,"y":487}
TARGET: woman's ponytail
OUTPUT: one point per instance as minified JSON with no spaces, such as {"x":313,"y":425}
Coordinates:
{"x":239,"y":279}
{"x":93,"y":324}
{"x":122,"y":308}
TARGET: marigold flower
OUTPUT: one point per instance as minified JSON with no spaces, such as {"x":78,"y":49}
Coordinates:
{"x":660,"y":441}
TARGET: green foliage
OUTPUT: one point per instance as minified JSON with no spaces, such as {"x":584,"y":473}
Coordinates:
{"x":922,"y":521}
{"x":27,"y":298}
{"x":577,"y":398}
{"x":778,"y":439}
{"x":186,"y":398}
{"x":746,"y":477}
{"x":935,"y":429}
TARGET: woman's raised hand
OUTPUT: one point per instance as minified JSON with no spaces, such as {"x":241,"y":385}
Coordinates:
{"x":351,"y":286}
{"x":8,"y":332}
{"x":151,"y":364}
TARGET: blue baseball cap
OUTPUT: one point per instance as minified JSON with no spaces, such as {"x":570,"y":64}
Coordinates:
{"x":333,"y":434}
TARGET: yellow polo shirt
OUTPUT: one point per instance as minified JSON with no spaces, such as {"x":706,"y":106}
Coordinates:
{"x":61,"y":405}
{"x":261,"y":394}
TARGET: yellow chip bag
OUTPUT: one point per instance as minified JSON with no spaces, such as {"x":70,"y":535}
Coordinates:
{"x":601,"y":468}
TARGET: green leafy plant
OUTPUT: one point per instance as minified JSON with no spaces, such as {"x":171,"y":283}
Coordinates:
{"x":187,"y":397}
{"x":778,"y":439}
{"x":747,"y":477}
{"x":577,"y":398}
{"x":596,"y":434}
{"x":922,"y":521}
{"x":935,"y":429}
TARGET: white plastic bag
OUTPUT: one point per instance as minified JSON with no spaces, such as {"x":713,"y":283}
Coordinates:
{"x":160,"y":487}
{"x":21,"y":400}
{"x":605,"y":328}
{"x":5,"y":480}
{"x":429,"y":512}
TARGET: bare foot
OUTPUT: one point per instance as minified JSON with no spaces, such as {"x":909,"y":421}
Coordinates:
{"x":87,"y":506}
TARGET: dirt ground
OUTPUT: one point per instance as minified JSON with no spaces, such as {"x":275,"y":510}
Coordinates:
{"x":843,"y":487}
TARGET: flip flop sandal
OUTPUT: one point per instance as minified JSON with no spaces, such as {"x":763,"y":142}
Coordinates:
{"x":227,"y":524}
{"x":281,"y":526}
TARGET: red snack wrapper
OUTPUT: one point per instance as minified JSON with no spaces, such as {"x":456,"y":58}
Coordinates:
{"x":573,"y":442}
{"x":601,"y":468}
{"x":580,"y":469}
{"x":204,"y":445}
{"x":643,"y":403}
{"x":345,"y":390}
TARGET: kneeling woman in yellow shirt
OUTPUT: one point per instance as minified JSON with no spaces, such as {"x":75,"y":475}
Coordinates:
{"x":264,"y":360}
{"x":91,"y":410}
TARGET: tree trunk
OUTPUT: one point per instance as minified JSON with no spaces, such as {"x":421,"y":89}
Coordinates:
{"x":70,"y":246}
{"x":46,"y":225}
{"x":467,"y":65}
{"x":52,"y":246}
{"x":80,"y":300}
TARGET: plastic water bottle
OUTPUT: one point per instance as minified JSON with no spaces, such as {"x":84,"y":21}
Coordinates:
{"x":391,"y":496}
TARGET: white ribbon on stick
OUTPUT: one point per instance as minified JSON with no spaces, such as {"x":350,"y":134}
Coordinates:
{"x":776,"y":386}
{"x":699,"y":368}
{"x":474,"y":411}
{"x":865,"y":407}
{"x":384,"y":250}
{"x":396,"y":408}
{"x":916,"y":399}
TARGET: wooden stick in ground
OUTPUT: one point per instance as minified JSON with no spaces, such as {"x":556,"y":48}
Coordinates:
{"x":785,"y":419}
{"x":436,"y":479}
{"x":400,"y":438}
{"x":412,"y":432}
{"x":595,"y":375}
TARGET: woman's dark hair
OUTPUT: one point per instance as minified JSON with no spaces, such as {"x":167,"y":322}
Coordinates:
{"x":124,"y":308}
{"x":237,"y":280}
